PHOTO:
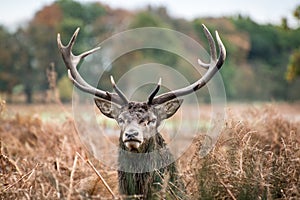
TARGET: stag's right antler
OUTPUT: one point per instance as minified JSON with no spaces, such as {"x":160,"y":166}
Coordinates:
{"x":212,"y":68}
{"x":71,"y":61}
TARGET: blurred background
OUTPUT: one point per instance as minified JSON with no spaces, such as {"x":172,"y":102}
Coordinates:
{"x":262,"y":39}
{"x":257,"y":152}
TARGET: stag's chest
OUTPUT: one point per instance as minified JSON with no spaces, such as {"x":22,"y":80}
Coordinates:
{"x":140,"y":183}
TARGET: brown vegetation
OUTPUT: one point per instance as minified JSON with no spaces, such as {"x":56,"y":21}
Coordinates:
{"x":256,"y":157}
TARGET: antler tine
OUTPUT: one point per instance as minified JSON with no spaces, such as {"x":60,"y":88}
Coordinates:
{"x":71,"y":42}
{"x":222,"y":50}
{"x":73,"y":39}
{"x":71,"y":61}
{"x":118,"y":91}
{"x":214,"y":65}
{"x":212,"y":49}
{"x":154,"y":92}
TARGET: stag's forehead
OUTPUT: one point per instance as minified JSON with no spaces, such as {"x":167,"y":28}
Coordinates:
{"x":137,"y":110}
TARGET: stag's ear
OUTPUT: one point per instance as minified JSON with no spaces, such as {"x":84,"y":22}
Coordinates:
{"x":108,"y":108}
{"x":168,"y":109}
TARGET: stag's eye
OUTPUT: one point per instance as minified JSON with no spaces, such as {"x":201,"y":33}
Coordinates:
{"x":151,"y":122}
{"x":121,"y":121}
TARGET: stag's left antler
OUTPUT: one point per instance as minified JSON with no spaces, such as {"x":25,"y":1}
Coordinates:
{"x":213,"y":67}
{"x":71,"y":62}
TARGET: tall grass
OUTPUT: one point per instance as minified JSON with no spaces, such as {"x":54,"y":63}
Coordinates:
{"x":256,"y":157}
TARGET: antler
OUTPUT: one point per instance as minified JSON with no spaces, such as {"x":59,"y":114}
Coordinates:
{"x":214,"y":66}
{"x":71,"y":61}
{"x":154,"y":92}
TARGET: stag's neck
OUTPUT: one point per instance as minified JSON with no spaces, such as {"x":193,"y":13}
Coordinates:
{"x":152,"y":155}
{"x":141,"y":173}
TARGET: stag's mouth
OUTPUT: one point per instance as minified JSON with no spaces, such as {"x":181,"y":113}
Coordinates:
{"x":132,"y":144}
{"x":132,"y":140}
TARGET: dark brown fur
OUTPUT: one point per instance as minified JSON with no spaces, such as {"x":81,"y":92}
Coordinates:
{"x":144,"y":183}
{"x":144,"y":170}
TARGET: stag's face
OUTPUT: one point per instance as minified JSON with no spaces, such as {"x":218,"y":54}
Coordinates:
{"x":138,"y":121}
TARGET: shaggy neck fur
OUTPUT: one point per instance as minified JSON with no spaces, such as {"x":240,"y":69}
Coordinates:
{"x":145,"y":181}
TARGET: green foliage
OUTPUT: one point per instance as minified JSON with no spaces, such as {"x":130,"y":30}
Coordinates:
{"x":93,"y":11}
{"x":71,"y":9}
{"x":229,"y":73}
{"x":7,"y":76}
{"x":293,"y":69}
{"x":65,"y":89}
{"x":146,"y":19}
{"x":270,"y":47}
{"x":67,"y":27}
{"x":264,"y":39}
{"x":87,"y":12}
{"x":297,"y":12}
{"x":255,"y":68}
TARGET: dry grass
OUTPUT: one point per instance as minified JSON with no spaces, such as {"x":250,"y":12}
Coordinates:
{"x":38,"y":161}
{"x":256,"y":157}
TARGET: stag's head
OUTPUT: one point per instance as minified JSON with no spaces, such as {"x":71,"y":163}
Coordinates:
{"x":139,"y":121}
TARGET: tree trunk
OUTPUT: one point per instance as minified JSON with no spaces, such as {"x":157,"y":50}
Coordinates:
{"x":28,"y":93}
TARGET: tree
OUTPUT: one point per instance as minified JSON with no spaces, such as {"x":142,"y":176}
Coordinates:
{"x":8,"y":76}
{"x":39,"y":39}
{"x":37,"y":43}
{"x":23,"y":65}
{"x":293,"y":69}
{"x":284,"y":23}
{"x":296,"y":13}
{"x":146,"y":19}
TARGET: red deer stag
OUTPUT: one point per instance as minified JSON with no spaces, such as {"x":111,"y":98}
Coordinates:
{"x":142,"y":149}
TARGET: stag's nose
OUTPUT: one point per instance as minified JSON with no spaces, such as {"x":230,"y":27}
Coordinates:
{"x":131,"y":134}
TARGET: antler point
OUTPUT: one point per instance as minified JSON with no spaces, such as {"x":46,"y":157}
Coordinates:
{"x":112,"y":80}
{"x":60,"y":45}
{"x":205,"y":28}
{"x":77,"y":30}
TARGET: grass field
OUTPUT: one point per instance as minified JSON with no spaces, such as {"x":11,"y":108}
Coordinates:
{"x":257,"y":155}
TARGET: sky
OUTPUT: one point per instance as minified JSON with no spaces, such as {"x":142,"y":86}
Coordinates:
{"x":15,"y":12}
